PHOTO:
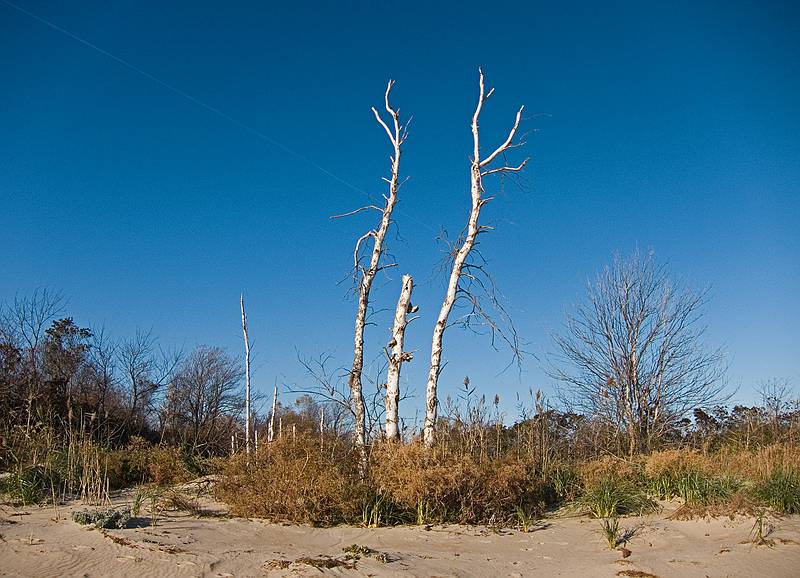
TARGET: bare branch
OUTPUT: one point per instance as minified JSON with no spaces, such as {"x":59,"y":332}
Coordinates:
{"x":359,"y":210}
{"x":503,"y":147}
{"x":506,"y":169}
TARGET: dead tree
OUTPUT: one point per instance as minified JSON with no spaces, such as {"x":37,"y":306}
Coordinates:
{"x":271,"y":430}
{"x":365,"y":272}
{"x":460,"y":269}
{"x":246,"y":378}
{"x":397,"y":357}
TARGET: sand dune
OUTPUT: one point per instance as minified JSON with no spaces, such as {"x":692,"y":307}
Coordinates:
{"x":36,"y":543}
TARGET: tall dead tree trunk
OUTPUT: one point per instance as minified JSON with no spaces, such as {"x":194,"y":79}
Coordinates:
{"x":479,"y":168}
{"x":366,"y":272}
{"x":397,"y":357}
{"x":246,"y":377}
{"x":271,"y":429}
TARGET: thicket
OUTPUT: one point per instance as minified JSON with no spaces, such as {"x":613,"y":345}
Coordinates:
{"x":83,"y":415}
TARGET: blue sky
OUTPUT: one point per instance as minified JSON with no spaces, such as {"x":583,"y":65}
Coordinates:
{"x":671,"y":126}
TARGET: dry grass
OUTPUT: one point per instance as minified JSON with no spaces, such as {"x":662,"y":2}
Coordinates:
{"x":443,"y":487}
{"x":292,"y":480}
{"x":593,"y":472}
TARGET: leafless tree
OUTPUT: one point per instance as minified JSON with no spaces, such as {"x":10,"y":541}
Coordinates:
{"x":776,"y":399}
{"x":396,"y":356}
{"x":206,"y":397}
{"x":365,"y":269}
{"x":633,"y":357}
{"x":462,"y":271}
{"x":247,"y":414}
{"x":145,"y":368}
{"x":24,"y":322}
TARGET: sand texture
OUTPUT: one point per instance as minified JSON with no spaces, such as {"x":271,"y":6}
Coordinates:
{"x":34,"y":542}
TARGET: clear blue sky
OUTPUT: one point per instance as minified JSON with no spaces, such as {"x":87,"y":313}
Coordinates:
{"x":672,"y":126}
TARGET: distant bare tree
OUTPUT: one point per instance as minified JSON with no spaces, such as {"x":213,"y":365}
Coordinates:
{"x":206,"y":396}
{"x":468,"y":277}
{"x":776,"y":399}
{"x":24,"y":323}
{"x":145,"y":368}
{"x":365,"y":272}
{"x":633,"y":357}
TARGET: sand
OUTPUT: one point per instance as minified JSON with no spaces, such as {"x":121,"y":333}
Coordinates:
{"x":40,"y":542}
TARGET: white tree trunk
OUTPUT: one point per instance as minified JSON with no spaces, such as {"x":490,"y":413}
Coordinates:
{"x":246,"y":377}
{"x":396,"y":358}
{"x":321,"y":428}
{"x":473,"y":229}
{"x":368,"y":273}
{"x":271,"y":430}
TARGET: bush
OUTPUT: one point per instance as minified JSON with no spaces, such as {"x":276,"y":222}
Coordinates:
{"x":431,"y":486}
{"x":594,"y":472}
{"x":139,"y":462}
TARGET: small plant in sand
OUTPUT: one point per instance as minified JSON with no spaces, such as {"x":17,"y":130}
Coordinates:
{"x":153,"y":497}
{"x":423,"y":512}
{"x":110,"y":518}
{"x":525,"y":519}
{"x":356,"y":552}
{"x":610,"y":529}
{"x":761,"y":529}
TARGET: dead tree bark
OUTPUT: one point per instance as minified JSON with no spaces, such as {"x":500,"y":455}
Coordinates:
{"x":397,"y":357}
{"x":479,"y":168}
{"x":367,"y":272}
{"x":246,"y":378}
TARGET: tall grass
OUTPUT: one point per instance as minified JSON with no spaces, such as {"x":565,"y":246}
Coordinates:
{"x":613,"y":496}
{"x":781,"y":491}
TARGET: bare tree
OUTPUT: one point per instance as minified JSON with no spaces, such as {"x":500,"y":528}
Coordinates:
{"x":365,"y":272}
{"x":461,"y":271}
{"x":247,"y":415}
{"x":207,"y":398}
{"x":145,"y":368}
{"x":24,"y":323}
{"x":633,"y":357}
{"x":397,"y":357}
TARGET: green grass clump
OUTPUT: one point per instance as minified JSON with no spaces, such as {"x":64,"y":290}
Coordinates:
{"x":694,"y":488}
{"x":565,"y":482}
{"x":611,"y":497}
{"x":29,"y":486}
{"x":781,"y":491}
{"x":610,"y":529}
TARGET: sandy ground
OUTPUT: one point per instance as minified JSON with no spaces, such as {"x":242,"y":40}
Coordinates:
{"x":35,"y":542}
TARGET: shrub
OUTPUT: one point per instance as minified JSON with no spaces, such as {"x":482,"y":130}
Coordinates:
{"x":594,"y":472}
{"x":139,"y":462}
{"x":440,"y":487}
{"x":292,"y":480}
